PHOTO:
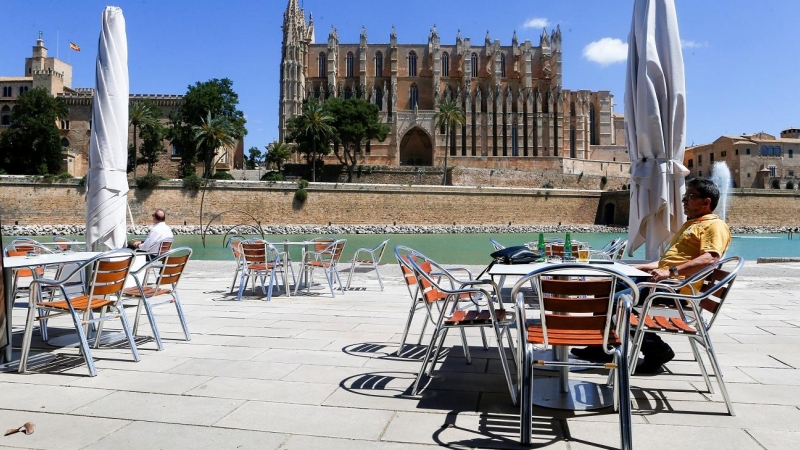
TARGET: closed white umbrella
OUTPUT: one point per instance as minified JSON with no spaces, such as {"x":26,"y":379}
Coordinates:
{"x":655,"y":122}
{"x":107,"y":181}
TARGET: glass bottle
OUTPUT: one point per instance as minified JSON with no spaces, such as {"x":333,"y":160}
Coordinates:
{"x":568,"y":247}
{"x":540,"y":247}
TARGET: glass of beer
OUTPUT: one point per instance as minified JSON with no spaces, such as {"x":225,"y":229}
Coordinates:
{"x":583,"y":254}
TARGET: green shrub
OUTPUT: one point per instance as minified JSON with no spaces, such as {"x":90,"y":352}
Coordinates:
{"x":776,"y":183}
{"x":300,"y":196}
{"x":302,"y":184}
{"x":790,"y":185}
{"x":82,"y":181}
{"x":603,"y":180}
{"x":148,"y":181}
{"x":548,"y":185}
{"x":64,"y":176}
{"x":272,"y":176}
{"x":192,"y":182}
{"x":222,"y":176}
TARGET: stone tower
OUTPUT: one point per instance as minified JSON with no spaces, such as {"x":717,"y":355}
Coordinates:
{"x":297,"y":35}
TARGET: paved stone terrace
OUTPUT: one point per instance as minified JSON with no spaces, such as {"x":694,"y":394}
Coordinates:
{"x":319,"y":372}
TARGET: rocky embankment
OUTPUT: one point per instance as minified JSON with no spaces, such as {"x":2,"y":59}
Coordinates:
{"x":59,"y":230}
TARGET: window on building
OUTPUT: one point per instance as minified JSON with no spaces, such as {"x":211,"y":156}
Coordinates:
{"x":502,"y":65}
{"x":6,"y":91}
{"x":748,"y":175}
{"x":772,"y":171}
{"x":765,"y":150}
{"x":412,"y":63}
{"x":90,"y":125}
{"x":21,"y":90}
{"x":791,"y":153}
{"x":65,"y":124}
{"x":445,"y":65}
{"x":790,"y":173}
{"x":323,"y":65}
{"x":594,"y":139}
{"x":747,"y":151}
{"x":349,"y":64}
{"x":413,"y":96}
{"x":514,"y":143}
{"x":5,"y":119}
{"x":473,"y":63}
{"x":379,"y":100}
{"x":736,"y":151}
{"x":723,"y":153}
{"x":378,"y":64}
{"x":348,"y":93}
{"x":699,"y":160}
{"x":690,"y":163}
{"x":700,"y":174}
{"x":65,"y":143}
{"x":711,"y":159}
{"x":776,"y":150}
{"x":175,"y":151}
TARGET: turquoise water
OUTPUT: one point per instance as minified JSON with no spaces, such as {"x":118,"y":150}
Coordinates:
{"x":472,"y":248}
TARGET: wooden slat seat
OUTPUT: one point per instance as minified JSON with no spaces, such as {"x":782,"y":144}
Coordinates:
{"x":149,"y":291}
{"x":80,"y":303}
{"x":473,"y":317}
{"x":570,"y":337}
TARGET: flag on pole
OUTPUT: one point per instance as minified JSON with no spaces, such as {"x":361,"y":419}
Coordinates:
{"x":74,"y":46}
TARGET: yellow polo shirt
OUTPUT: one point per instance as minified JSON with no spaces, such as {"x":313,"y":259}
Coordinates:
{"x":705,"y":234}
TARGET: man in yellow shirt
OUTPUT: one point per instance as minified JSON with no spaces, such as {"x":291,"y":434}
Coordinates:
{"x":701,"y":241}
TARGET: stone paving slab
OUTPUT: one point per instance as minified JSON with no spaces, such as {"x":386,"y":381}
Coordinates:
{"x":319,"y":372}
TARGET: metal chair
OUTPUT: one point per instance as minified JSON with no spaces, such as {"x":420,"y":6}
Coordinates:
{"x":236,"y":247}
{"x":168,"y":267}
{"x":262,"y":260}
{"x":463,"y":305}
{"x":372,"y":257}
{"x":574,"y":312}
{"x":103,"y":292}
{"x":402,"y":254}
{"x":326,"y":259}
{"x":691,"y":308}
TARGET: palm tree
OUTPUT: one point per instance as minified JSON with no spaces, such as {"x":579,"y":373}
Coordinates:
{"x":141,"y":114}
{"x":211,"y":134}
{"x":277,"y":153}
{"x":316,"y":123}
{"x":449,"y":116}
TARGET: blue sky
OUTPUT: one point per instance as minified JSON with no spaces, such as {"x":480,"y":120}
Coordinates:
{"x":741,"y":56}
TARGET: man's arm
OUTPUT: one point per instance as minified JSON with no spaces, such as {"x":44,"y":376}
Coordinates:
{"x":151,"y":241}
{"x":688,"y":268}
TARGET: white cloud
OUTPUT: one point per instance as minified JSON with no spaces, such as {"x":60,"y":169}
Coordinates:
{"x":536,"y":22}
{"x":685,"y":43}
{"x":606,"y":51}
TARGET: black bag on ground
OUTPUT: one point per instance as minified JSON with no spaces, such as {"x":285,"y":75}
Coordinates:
{"x":519,"y":254}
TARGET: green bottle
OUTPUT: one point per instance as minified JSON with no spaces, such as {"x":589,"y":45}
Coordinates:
{"x":568,"y":247}
{"x":540,"y":248}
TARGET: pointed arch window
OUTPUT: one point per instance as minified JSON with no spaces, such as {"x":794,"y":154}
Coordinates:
{"x":379,"y":64}
{"x":473,"y":63}
{"x":412,"y":63}
{"x":65,"y":143}
{"x":514,"y":139}
{"x":413,"y":96}
{"x":502,"y":65}
{"x":593,"y":139}
{"x":349,"y":64}
{"x":323,"y":63}
{"x":379,"y":99}
{"x":445,"y":65}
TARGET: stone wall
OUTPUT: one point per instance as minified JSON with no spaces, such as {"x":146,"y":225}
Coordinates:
{"x":26,"y":201}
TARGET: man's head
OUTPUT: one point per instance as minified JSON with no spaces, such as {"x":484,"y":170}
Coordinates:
{"x":159,"y":215}
{"x":701,"y":198}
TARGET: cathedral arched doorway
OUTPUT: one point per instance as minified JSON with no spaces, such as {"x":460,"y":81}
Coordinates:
{"x":416,"y":148}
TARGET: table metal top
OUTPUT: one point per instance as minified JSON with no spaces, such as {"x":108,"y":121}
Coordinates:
{"x":46,"y":259}
{"x":524,"y":269}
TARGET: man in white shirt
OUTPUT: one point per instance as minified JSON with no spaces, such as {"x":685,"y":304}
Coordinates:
{"x":159,"y":232}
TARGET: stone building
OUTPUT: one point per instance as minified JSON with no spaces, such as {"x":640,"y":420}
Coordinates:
{"x":755,"y":160}
{"x":517,"y":112}
{"x":55,"y":76}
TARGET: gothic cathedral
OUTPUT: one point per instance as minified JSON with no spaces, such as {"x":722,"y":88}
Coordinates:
{"x":516,"y":109}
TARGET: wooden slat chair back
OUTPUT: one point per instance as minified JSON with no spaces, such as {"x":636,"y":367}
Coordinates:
{"x":689,"y":309}
{"x":104,"y":292}
{"x":475,"y":303}
{"x":164,"y":246}
{"x":261,"y":260}
{"x":169,"y":268}
{"x":575,"y":312}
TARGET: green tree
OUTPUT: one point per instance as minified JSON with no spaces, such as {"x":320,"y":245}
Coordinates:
{"x":212,"y":133}
{"x":152,"y":145}
{"x":449,"y":116}
{"x":140,"y":114}
{"x":254,"y":158}
{"x":31,"y":145}
{"x":312,"y":127}
{"x":277,"y":154}
{"x":356,"y":121}
{"x":215,"y":97}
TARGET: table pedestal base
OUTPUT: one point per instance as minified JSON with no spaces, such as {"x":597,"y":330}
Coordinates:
{"x":581,"y":396}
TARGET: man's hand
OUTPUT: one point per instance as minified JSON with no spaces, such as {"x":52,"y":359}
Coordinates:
{"x":136,"y":244}
{"x":660,"y":274}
